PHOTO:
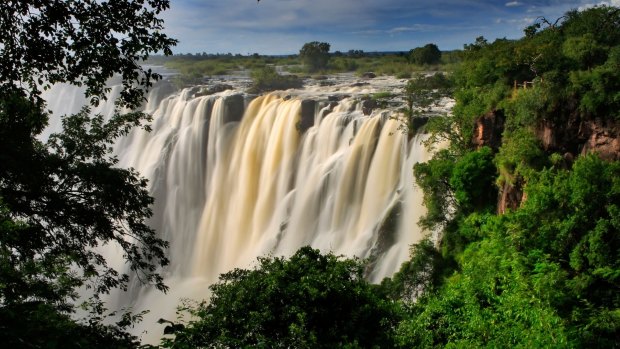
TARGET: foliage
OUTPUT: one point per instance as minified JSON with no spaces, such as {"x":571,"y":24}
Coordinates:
{"x":571,"y":220}
{"x":490,"y":303}
{"x":421,"y":93}
{"x":418,"y":276}
{"x":267,"y":79}
{"x":308,"y":301}
{"x":315,"y":55}
{"x":40,"y":325}
{"x":47,"y":42}
{"x":546,"y":273}
{"x":62,"y":199}
{"x":433,"y":177}
{"x":472,"y":180}
{"x":428,"y":54}
{"x":519,"y":155}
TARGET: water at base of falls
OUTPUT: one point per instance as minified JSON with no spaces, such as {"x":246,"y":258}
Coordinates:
{"x":235,"y":178}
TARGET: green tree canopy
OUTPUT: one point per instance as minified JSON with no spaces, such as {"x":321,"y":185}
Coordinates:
{"x":315,"y":55}
{"x":82,"y":42}
{"x":428,"y":54}
{"x":62,"y":199}
{"x":545,"y":272}
{"x":308,"y":301}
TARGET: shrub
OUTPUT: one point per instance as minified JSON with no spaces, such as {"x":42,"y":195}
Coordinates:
{"x":267,"y":79}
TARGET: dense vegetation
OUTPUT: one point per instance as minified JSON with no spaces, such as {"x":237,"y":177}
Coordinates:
{"x":308,"y":301}
{"x":63,"y":197}
{"x":545,"y":273}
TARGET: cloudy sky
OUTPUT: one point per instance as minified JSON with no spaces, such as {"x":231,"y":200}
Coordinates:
{"x":283,"y":26}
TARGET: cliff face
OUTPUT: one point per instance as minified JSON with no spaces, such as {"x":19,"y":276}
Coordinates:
{"x":595,"y":136}
{"x":570,"y":138}
{"x":602,"y":138}
{"x":488,"y":130}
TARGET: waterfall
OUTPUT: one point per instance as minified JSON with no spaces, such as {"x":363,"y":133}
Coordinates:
{"x":235,"y":178}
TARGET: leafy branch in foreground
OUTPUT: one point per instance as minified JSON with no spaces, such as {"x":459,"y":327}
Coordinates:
{"x":62,"y":200}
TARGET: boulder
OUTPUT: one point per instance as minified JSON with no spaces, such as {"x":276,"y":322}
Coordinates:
{"x":369,"y":75}
{"x":308,"y":109}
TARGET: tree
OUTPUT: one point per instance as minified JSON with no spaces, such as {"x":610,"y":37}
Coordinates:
{"x":85,"y":42}
{"x":473,"y":179}
{"x":63,"y":198}
{"x":308,"y":301}
{"x":428,"y":54}
{"x":315,"y":55}
{"x":421,"y":93}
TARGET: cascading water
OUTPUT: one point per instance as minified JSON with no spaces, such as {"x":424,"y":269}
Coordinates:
{"x":235,"y":179}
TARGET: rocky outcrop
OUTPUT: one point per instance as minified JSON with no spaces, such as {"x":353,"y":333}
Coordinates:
{"x":567,"y":132}
{"x":368,"y":105}
{"x":214,"y":89}
{"x":580,"y":137}
{"x":308,"y":109}
{"x":571,"y":138}
{"x":510,"y":197}
{"x":369,"y":75}
{"x":488,"y":130}
{"x":602,"y":138}
{"x":337,"y":98}
{"x":234,"y":107}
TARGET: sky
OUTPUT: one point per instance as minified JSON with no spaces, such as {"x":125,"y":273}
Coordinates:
{"x":276,"y":27}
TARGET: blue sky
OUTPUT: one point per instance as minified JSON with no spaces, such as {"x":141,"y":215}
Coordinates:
{"x":283,"y":26}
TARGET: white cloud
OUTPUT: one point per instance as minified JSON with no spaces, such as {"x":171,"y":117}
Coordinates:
{"x":413,"y":28}
{"x":513,"y":4}
{"x":615,"y":3}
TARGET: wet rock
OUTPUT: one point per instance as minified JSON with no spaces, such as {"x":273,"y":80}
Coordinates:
{"x":337,"y":98}
{"x":214,"y":89}
{"x":358,"y":84}
{"x":368,"y":105}
{"x":234,"y":107}
{"x":308,"y":109}
{"x":369,"y":75}
{"x":418,"y":122}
